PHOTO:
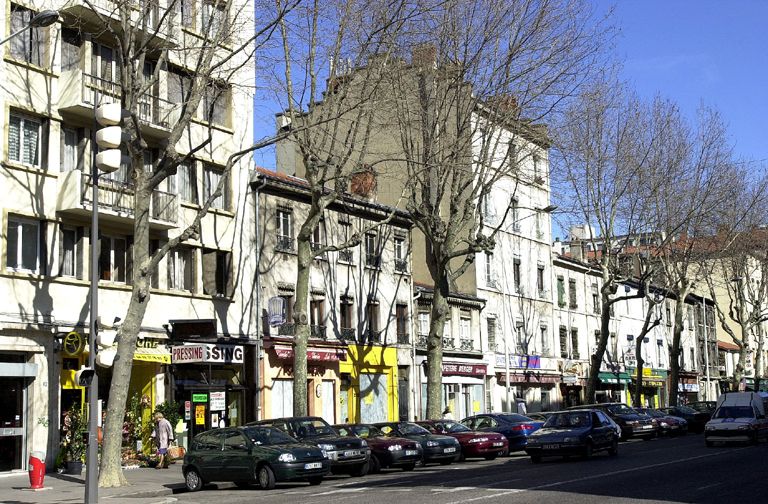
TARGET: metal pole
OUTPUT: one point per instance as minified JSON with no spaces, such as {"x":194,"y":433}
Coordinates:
{"x":506,"y":371}
{"x":706,"y":348}
{"x":91,"y":457}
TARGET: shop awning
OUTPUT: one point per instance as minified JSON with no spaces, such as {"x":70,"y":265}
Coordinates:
{"x":531,"y":378}
{"x":159,"y":354}
{"x":611,"y":378}
{"x":314,"y":354}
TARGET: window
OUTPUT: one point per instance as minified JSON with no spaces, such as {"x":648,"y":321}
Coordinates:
{"x":71,"y":45}
{"x":690,"y":317}
{"x":546,"y":347}
{"x":287,"y":308}
{"x":491,"y":324}
{"x":24,"y":139}
{"x":423,"y":323}
{"x":105,"y":69}
{"x":185,"y":10}
{"x":372,"y":257}
{"x":186,"y":175}
{"x":70,"y":259}
{"x":316,"y":241}
{"x":217,"y":273}
{"x":572,"y":294}
{"x":113,"y":259}
{"x":537,"y":178}
{"x":514,"y":215}
{"x":512,"y":154}
{"x":215,"y":101}
{"x":179,"y":86}
{"x":465,"y":323}
{"x":23,"y":245}
{"x":181,"y":271}
{"x":563,"y":342}
{"x":668,"y":314}
{"x":154,"y":279}
{"x":401,"y":263}
{"x":401,"y":317}
{"x":213,"y":176}
{"x":346,"y":313}
{"x":372,"y":316}
{"x":521,"y":346}
{"x":574,"y":343}
{"x":215,"y":19}
{"x":284,"y":230}
{"x":597,"y":338}
{"x":540,"y":280}
{"x":516,"y":274}
{"x":317,"y":312}
{"x":560,"y":291}
{"x":486,"y":207}
{"x":71,"y":150}
{"x":490,"y":281}
{"x":595,"y":299}
{"x":29,"y":45}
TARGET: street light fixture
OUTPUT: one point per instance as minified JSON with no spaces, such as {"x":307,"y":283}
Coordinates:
{"x":39,"y":20}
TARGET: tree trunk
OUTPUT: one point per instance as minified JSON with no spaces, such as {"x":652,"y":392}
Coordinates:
{"x":301,"y":325}
{"x":759,"y":355}
{"x":596,"y":359}
{"x":110,"y":472}
{"x":738,"y":373}
{"x":675,"y":350}
{"x":638,"y":372}
{"x":440,"y":311}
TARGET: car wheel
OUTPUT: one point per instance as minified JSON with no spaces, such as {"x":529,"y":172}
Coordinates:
{"x":193,"y":480}
{"x":409,"y":467}
{"x":315,"y":480}
{"x":360,"y":470}
{"x":614,"y":449}
{"x":588,"y":451}
{"x":536,"y":459}
{"x":492,"y":456}
{"x":374,"y":466}
{"x":266,"y":477}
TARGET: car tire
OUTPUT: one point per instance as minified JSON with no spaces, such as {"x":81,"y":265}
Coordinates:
{"x":588,"y":450}
{"x":315,"y":480}
{"x":491,"y":456}
{"x":374,"y":466}
{"x":266,"y":477}
{"x":536,"y":459}
{"x":361,"y":470}
{"x":409,"y":467}
{"x":614,"y":449}
{"x":192,"y":480}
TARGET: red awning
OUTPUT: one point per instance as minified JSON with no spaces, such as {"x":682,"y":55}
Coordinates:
{"x":313,"y":354}
{"x":722,"y":345}
{"x":530,"y":378}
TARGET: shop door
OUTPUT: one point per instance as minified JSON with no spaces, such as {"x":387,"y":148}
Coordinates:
{"x":282,"y":398}
{"x":12,"y":423}
{"x":328,"y":393}
{"x":373,"y":398}
{"x":403,"y":393}
{"x":199,"y":418}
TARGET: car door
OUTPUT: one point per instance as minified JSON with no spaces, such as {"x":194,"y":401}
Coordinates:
{"x":601,"y":431}
{"x":209,"y":460}
{"x":236,"y":456}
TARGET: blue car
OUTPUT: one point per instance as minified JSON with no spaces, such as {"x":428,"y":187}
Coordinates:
{"x":516,"y":428}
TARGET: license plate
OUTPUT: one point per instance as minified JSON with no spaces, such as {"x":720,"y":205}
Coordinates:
{"x":647,"y":427}
{"x":551,"y":446}
{"x":411,"y":452}
{"x":313,"y":465}
{"x":499,"y":443}
{"x":352,"y":453}
{"x":449,"y":450}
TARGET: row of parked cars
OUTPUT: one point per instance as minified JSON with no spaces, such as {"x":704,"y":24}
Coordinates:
{"x":308,"y":448}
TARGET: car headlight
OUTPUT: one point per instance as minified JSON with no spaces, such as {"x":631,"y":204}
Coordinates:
{"x":633,"y":422}
{"x":433,"y":443}
{"x":570,"y":440}
{"x":363,"y":443}
{"x":325,"y":453}
{"x":743,"y":427}
{"x":394,"y":447}
{"x":478,"y":440}
{"x":710,"y":427}
{"x":664,"y":424}
{"x":286,"y":457}
{"x":326,"y":447}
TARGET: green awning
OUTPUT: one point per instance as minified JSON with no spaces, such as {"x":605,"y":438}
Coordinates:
{"x":623,"y":378}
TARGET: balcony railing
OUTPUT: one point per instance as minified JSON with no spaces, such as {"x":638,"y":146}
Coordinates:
{"x":448,"y":343}
{"x":286,"y":330}
{"x":373,"y":260}
{"x":318,"y":331}
{"x":316,"y":248}
{"x":165,"y":206}
{"x":466,"y":345}
{"x":118,"y":196}
{"x":401,"y":265}
{"x":422,"y":340}
{"x":284,"y":243}
{"x":403,"y":338}
{"x":373,"y":336}
{"x":346,"y":256}
{"x":347,"y":334}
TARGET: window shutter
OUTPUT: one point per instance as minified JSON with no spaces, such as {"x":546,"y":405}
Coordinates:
{"x":81,"y":146}
{"x":230,"y":274}
{"x":209,"y":272}
{"x":79,"y":262}
{"x":43,"y":256}
{"x":43,"y":150}
{"x":129,"y":260}
{"x":14,"y":138}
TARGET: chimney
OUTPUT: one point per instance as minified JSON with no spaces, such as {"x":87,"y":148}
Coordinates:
{"x":363,"y":183}
{"x":577,"y":250}
{"x":424,"y":55}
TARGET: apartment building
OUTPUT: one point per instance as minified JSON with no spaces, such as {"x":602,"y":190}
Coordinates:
{"x":53,"y":77}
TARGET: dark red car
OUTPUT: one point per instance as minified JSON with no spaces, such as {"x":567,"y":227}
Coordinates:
{"x":487,"y":445}
{"x":385,"y":451}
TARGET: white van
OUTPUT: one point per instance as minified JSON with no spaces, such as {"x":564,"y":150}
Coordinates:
{"x":739,"y":416}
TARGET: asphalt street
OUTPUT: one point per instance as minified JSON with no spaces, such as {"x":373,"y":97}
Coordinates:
{"x":662,"y":470}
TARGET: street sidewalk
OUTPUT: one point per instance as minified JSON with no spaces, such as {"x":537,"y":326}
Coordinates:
{"x":147,"y":486}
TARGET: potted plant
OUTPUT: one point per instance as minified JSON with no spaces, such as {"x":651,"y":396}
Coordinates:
{"x":73,"y":443}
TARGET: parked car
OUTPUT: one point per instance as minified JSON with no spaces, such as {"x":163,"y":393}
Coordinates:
{"x":348,"y":454}
{"x":667,"y":424}
{"x":435,"y":448}
{"x":574,"y":432}
{"x":703,"y":406}
{"x":516,"y":428}
{"x":632,"y":423}
{"x":487,"y":445}
{"x":251,"y":454}
{"x":740,"y":416}
{"x":696,"y":419}
{"x":541,"y":416}
{"x":385,"y":451}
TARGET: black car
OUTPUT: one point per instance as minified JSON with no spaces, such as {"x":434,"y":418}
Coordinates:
{"x":632,"y":423}
{"x":697,"y":420}
{"x":348,"y":454}
{"x":516,"y":428}
{"x":708,"y":407}
{"x":574,"y":432}
{"x":386,"y":451}
{"x":435,"y":447}
{"x":253,"y":454}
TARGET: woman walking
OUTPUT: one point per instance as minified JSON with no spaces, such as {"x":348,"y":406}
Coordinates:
{"x":163,"y":435}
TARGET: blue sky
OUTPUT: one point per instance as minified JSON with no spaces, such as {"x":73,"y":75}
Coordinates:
{"x":712,"y":52}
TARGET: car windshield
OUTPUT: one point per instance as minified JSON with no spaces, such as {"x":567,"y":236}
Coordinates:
{"x":686,"y":409}
{"x":409,"y":428}
{"x":512,"y":418}
{"x":576,"y":419}
{"x":311,"y":427}
{"x":620,"y":409}
{"x":267,"y":436}
{"x":453,"y":427}
{"x":365,"y":431}
{"x":735,"y":412}
{"x":651,"y":412}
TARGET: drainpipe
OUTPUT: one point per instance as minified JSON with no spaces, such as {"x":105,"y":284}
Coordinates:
{"x":259,"y":321}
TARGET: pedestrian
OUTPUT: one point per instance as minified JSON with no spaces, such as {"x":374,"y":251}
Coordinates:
{"x":522,"y":409}
{"x":447,"y":415}
{"x":163,"y":435}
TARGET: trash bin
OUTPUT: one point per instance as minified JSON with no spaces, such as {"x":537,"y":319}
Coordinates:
{"x":36,"y":470}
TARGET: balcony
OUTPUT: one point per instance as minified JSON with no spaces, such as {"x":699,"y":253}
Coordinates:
{"x":161,"y":25}
{"x":422,"y":340}
{"x":373,"y":260}
{"x":315,"y":246}
{"x":373,"y":336}
{"x":286,"y":330}
{"x":284,"y":244}
{"x":403,"y":338}
{"x":466,"y":345}
{"x":348,"y":334}
{"x":401,"y":266}
{"x":80,"y":91}
{"x":346,"y":256}
{"x":448,"y":343}
{"x":115,"y":203}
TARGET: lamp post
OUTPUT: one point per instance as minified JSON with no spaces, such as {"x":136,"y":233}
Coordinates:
{"x":39,"y":20}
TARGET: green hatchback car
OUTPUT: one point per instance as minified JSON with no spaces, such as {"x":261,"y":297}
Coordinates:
{"x":252,"y":454}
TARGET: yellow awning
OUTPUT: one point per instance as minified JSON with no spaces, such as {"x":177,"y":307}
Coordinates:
{"x":160,"y":355}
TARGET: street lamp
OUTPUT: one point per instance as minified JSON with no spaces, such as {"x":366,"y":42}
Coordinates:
{"x":39,"y":20}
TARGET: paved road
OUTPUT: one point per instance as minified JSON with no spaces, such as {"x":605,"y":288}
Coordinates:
{"x":663,"y":470}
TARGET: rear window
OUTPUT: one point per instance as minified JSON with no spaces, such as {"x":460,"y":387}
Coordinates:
{"x":569,"y":420}
{"x":515,"y":418}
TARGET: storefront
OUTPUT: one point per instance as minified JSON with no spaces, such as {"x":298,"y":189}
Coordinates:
{"x":653,"y":393}
{"x":687,"y":387}
{"x":463,"y":387}
{"x":572,"y":383}
{"x":369,"y":385}
{"x":323,"y":381}
{"x":613,"y":386}
{"x":532,"y":380}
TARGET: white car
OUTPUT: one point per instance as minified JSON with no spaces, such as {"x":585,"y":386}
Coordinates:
{"x":740,"y":416}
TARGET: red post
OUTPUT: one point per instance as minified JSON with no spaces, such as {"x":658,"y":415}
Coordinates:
{"x":36,"y":470}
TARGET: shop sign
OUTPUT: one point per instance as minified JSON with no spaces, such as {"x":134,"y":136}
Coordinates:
{"x":462,"y":369}
{"x":207,"y":352}
{"x":73,"y":344}
{"x":187,"y":410}
{"x":217,"y":401}
{"x":570,"y":379}
{"x":199,"y":414}
{"x":687,"y":387}
{"x":313,"y":354}
{"x":199,"y":397}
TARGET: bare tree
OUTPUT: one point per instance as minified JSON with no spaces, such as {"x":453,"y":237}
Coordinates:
{"x":200,"y":62}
